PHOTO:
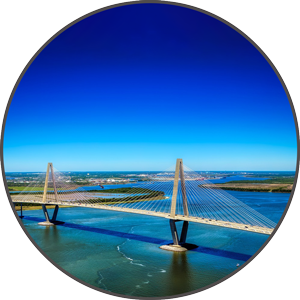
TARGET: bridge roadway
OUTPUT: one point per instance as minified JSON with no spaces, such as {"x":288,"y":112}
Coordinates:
{"x":233,"y":225}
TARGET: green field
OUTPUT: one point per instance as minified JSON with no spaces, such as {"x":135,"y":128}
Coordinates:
{"x":28,"y":189}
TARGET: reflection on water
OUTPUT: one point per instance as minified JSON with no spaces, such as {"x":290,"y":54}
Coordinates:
{"x":179,"y":275}
{"x":51,"y":235}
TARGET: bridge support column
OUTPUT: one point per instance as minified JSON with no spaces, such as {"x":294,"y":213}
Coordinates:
{"x":184,"y":231}
{"x":55,"y":213}
{"x":179,"y":245}
{"x":21,"y":210}
{"x":52,"y":221}
{"x":174,"y":232}
{"x":183,"y":235}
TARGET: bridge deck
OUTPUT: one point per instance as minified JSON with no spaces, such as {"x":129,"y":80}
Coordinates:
{"x":36,"y":199}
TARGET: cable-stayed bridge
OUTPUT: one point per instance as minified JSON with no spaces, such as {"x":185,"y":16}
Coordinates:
{"x":178,"y":196}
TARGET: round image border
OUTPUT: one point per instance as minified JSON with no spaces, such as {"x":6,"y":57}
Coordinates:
{"x":140,"y":3}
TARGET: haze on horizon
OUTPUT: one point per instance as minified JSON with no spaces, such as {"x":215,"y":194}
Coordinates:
{"x":135,"y":87}
{"x":156,"y":171}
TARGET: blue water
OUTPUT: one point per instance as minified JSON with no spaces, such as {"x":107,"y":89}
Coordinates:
{"x":231,"y":178}
{"x":119,"y":252}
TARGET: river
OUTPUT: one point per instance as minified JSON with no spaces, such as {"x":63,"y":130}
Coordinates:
{"x":119,"y":252}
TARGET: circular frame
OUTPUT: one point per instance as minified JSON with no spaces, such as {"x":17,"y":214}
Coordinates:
{"x":164,"y":3}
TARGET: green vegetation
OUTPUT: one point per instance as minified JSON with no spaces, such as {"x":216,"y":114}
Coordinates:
{"x":22,"y":188}
{"x":19,"y":184}
{"x":129,"y":190}
{"x":245,"y":189}
{"x":281,"y":190}
{"x":286,"y":180}
{"x":146,"y":194}
{"x":35,"y":206}
{"x":125,"y":190}
{"x":127,"y":199}
{"x":26,"y":204}
{"x":277,"y":184}
{"x":134,"y":195}
{"x":276,"y":189}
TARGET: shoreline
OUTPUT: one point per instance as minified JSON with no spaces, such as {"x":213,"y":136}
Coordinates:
{"x":252,"y":190}
{"x":38,"y":207}
{"x":247,"y":187}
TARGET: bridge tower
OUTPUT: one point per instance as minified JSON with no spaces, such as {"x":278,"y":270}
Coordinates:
{"x":178,"y":243}
{"x":49,"y":222}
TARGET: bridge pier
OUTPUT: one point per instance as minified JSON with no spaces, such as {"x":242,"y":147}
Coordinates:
{"x":52,"y":221}
{"x":21,"y":210}
{"x":179,"y":244}
{"x":174,"y":232}
{"x":184,"y":231}
{"x":183,"y":234}
{"x":55,"y":213}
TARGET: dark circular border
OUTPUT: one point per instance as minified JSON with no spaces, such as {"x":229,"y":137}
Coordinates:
{"x":139,"y":3}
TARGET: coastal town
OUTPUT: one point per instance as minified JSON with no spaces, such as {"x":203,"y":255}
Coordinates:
{"x":237,"y":181}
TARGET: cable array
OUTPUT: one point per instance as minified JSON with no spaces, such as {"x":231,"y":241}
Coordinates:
{"x":206,"y":200}
{"x":154,"y":195}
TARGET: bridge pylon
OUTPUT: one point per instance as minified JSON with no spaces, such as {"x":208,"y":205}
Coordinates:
{"x":52,"y":221}
{"x":179,"y":243}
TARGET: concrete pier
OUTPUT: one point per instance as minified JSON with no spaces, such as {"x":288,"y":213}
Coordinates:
{"x":174,"y":248}
{"x":21,"y":210}
{"x":178,"y":248}
{"x":179,"y":245}
{"x":52,"y":221}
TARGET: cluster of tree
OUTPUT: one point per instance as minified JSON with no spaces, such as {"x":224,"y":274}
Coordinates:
{"x":26,"y":204}
{"x":282,"y":190}
{"x":18,"y":184}
{"x":28,"y":192}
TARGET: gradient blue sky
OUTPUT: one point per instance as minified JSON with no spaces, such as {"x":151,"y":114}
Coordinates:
{"x":135,"y":87}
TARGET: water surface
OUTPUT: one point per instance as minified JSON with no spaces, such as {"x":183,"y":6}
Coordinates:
{"x":119,"y":252}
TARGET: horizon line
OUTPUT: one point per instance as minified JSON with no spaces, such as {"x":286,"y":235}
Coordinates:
{"x":155,"y":171}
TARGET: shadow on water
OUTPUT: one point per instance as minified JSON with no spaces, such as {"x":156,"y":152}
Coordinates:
{"x":147,"y":239}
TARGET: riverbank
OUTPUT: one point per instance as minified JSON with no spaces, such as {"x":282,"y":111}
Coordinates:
{"x":14,"y":188}
{"x":37,"y":207}
{"x":255,"y":187}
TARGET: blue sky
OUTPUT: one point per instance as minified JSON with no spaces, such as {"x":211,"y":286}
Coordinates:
{"x":135,"y":87}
